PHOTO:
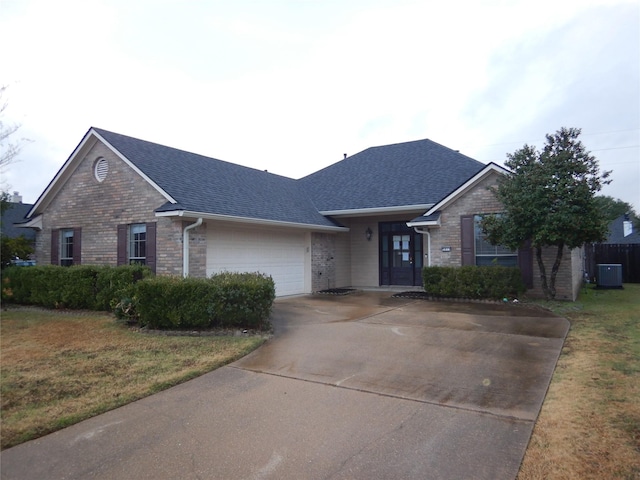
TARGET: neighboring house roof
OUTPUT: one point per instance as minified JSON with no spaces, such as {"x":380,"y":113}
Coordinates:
{"x":16,"y":213}
{"x":616,"y":232}
{"x":416,"y":174}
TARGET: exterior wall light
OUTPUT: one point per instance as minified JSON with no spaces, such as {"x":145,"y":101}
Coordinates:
{"x":368,"y":233}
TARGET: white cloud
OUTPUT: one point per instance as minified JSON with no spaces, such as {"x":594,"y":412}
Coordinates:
{"x":291,"y":86}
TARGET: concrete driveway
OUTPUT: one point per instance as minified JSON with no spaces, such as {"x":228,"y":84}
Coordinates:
{"x":357,"y":387}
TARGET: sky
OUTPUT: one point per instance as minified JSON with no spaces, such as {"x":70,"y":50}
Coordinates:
{"x":289,"y":86}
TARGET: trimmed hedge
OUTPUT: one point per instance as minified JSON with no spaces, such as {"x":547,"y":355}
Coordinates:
{"x":133,"y":293}
{"x":224,"y":300}
{"x":89,"y":287}
{"x":493,"y":282}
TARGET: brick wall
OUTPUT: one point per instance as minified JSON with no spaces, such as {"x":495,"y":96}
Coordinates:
{"x":197,"y":250}
{"x":323,"y":261}
{"x":570,"y":275}
{"x":123,"y":197}
{"x":479,"y":199}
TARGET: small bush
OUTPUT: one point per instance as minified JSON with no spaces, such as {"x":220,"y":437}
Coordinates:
{"x":242,"y":299}
{"x":173,"y":302}
{"x":224,"y":300}
{"x":114,"y":284}
{"x":494,"y":282}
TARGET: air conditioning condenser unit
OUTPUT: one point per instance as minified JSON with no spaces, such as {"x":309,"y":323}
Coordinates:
{"x":609,"y":275}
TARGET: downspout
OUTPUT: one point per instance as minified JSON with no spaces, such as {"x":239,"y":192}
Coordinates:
{"x":185,"y":246}
{"x":428,"y":234}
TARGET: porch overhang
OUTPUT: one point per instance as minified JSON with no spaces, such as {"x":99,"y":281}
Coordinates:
{"x":364,"y":212}
{"x":35,"y":223}
{"x":432,"y":220}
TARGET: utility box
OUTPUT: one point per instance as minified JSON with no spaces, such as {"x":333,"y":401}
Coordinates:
{"x":609,"y":275}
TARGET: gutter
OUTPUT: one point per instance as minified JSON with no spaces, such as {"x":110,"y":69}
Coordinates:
{"x":185,"y":246}
{"x":428,"y":234}
{"x":250,"y":221}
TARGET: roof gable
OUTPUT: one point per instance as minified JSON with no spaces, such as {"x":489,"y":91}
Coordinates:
{"x":417,"y":173}
{"x":428,"y":218}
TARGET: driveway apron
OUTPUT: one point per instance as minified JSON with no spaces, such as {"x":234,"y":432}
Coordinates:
{"x":356,"y":387}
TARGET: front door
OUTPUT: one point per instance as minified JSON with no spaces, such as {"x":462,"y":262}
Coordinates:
{"x":400,"y":255}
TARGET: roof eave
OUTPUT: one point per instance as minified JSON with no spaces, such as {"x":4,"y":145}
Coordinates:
{"x":250,"y":221}
{"x":429,"y":223}
{"x":375,"y":210}
{"x":35,"y":223}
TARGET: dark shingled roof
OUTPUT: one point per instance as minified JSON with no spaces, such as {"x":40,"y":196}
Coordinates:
{"x":412,"y":173}
{"x":16,"y":213}
{"x":404,"y":174}
{"x":207,"y":185}
{"x":616,"y":232}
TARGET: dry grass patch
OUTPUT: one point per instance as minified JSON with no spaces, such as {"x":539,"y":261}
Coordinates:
{"x":589,"y":425}
{"x":60,"y":368}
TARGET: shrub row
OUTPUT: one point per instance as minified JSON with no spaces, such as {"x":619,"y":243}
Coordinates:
{"x":472,"y":282}
{"x":89,"y":287}
{"x":223,"y":300}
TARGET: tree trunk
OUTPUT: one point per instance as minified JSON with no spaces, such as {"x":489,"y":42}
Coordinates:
{"x":554,"y":270}
{"x":543,"y":274}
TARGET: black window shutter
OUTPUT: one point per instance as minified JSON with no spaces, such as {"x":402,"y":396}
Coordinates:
{"x":55,"y":246}
{"x":122,"y":244}
{"x":525,"y":263}
{"x":77,"y":246}
{"x":467,"y":239}
{"x":151,"y":246}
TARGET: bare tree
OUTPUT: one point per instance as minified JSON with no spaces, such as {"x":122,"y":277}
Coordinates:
{"x":9,"y":150}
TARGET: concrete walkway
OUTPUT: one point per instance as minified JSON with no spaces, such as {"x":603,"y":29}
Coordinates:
{"x":356,"y":387}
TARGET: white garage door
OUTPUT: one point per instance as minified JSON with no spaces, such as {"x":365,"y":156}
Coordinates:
{"x":276,"y":253}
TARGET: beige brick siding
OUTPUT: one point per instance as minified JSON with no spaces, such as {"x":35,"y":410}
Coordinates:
{"x":323,"y":261}
{"x":197,"y":250}
{"x":99,"y":207}
{"x":570,"y":275}
{"x":476,"y":201}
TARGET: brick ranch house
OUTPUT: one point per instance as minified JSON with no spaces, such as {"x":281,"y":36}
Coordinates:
{"x":370,"y":220}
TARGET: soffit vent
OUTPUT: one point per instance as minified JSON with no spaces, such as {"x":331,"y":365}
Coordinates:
{"x":101,"y":169}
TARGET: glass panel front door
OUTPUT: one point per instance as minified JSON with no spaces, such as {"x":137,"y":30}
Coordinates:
{"x":400,"y":255}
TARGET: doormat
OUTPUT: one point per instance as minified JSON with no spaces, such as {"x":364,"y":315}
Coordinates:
{"x":418,"y":295}
{"x":337,"y":291}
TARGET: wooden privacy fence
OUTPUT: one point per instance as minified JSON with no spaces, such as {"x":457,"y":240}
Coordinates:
{"x":628,"y":255}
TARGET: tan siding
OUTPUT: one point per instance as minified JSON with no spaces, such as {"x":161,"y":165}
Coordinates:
{"x":365,"y":271}
{"x":343,"y":260}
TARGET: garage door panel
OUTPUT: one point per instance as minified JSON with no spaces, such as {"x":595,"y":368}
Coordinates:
{"x":275,"y":253}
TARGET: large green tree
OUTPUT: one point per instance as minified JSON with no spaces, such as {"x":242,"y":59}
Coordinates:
{"x":549,"y":199}
{"x":614,"y":208}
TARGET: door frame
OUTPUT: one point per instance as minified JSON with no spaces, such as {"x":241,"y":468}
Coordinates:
{"x":386,"y":230}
